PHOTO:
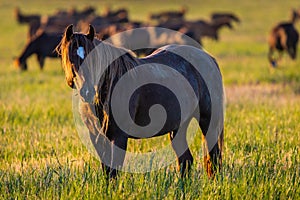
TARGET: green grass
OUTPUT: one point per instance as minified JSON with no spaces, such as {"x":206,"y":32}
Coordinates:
{"x":42,"y":156}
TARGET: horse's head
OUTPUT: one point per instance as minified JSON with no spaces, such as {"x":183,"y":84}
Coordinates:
{"x":295,"y":15}
{"x":74,"y":48}
{"x":20,"y":65}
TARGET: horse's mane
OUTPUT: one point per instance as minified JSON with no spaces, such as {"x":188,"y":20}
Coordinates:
{"x":112,"y":63}
{"x":105,"y":66}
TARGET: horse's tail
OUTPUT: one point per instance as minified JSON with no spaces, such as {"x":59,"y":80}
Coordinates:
{"x":213,"y":157}
{"x":221,"y":145}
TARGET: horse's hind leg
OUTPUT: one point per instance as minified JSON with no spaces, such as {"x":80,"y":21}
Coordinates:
{"x":212,"y":149}
{"x":212,"y":159}
{"x":181,"y":148}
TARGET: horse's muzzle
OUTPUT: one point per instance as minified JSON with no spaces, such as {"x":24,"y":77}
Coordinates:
{"x":87,"y":93}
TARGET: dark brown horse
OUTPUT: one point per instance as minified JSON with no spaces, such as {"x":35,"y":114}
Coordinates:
{"x":167,"y":16}
{"x":42,"y":45}
{"x":199,"y":29}
{"x":101,"y":22}
{"x":120,"y":13}
{"x":56,"y":22}
{"x":88,"y":68}
{"x":32,"y":20}
{"x":143,"y":41}
{"x":202,"y":28}
{"x":106,"y":31}
{"x":225,"y":16}
{"x":25,"y":18}
{"x":283,"y":37}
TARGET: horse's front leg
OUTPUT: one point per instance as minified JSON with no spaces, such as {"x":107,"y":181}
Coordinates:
{"x":181,"y":148}
{"x":111,"y":152}
{"x":271,"y":58}
{"x":41,"y":60}
{"x":118,"y":151}
{"x":102,"y":146}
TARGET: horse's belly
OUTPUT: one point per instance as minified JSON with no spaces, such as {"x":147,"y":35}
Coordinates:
{"x":150,"y":95}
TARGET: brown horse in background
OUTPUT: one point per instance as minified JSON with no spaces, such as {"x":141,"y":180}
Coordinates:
{"x":54,"y":23}
{"x":225,"y":16}
{"x":283,"y":37}
{"x":150,"y":39}
{"x":199,"y":29}
{"x":25,"y":18}
{"x":202,"y":28}
{"x":167,"y":16}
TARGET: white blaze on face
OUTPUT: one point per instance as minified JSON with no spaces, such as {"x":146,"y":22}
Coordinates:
{"x":80,"y":52}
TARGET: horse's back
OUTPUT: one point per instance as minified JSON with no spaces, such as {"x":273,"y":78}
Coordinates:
{"x":175,"y":67}
{"x":172,"y":54}
{"x":47,"y":42}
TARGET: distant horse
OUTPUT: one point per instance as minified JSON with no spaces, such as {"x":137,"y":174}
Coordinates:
{"x":58,"y":21}
{"x":202,"y":28}
{"x":199,"y":29}
{"x":43,"y":45}
{"x":283,"y":37}
{"x":25,"y":19}
{"x":225,"y":15}
{"x":167,"y":16}
{"x":150,"y":38}
{"x":101,"y":22}
{"x":74,"y":49}
{"x":120,"y":13}
{"x":108,"y":30}
{"x":32,"y":20}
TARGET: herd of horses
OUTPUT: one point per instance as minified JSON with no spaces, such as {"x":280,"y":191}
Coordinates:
{"x":45,"y":32}
{"x":62,"y":35}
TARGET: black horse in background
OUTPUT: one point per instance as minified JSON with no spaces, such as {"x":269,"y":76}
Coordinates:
{"x":42,"y":45}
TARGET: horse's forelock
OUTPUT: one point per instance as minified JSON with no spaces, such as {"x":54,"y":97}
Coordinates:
{"x":63,"y":50}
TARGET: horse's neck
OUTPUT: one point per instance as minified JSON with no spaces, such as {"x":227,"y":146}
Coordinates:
{"x":294,"y":19}
{"x":30,"y":49}
{"x":109,"y":61}
{"x":22,"y":18}
{"x":114,"y":56}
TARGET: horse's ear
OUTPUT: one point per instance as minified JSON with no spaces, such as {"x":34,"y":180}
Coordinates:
{"x":69,"y":32}
{"x":91,"y":33}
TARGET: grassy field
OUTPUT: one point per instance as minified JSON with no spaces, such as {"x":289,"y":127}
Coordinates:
{"x":42,"y":156}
